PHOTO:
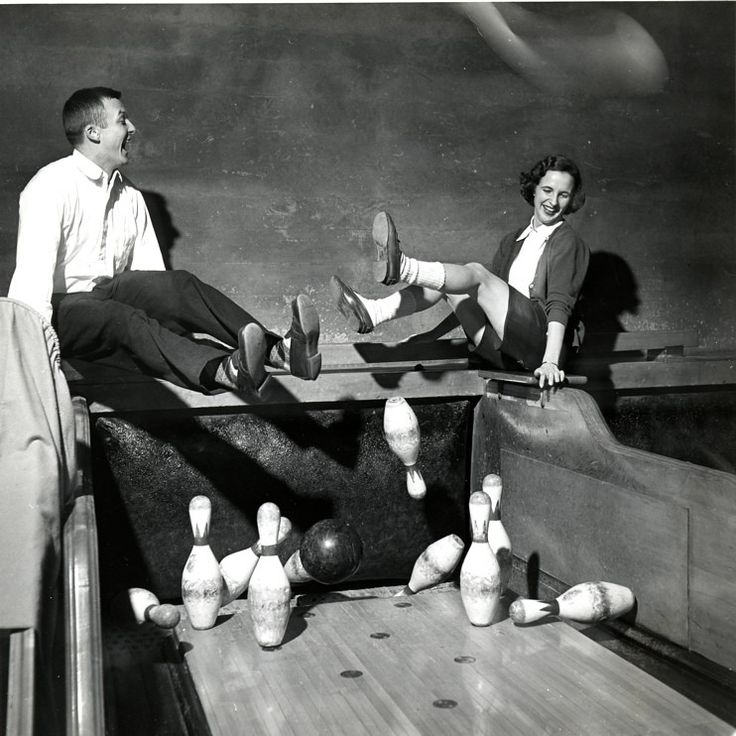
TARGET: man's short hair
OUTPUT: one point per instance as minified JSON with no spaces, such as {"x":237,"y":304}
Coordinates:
{"x":85,"y":107}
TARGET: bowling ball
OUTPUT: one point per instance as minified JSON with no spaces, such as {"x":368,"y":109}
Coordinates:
{"x":331,"y":551}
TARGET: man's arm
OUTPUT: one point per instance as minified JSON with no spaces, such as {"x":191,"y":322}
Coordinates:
{"x":146,"y":252}
{"x":39,"y":237}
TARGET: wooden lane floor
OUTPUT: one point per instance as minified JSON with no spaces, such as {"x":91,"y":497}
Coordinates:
{"x":416,"y":666}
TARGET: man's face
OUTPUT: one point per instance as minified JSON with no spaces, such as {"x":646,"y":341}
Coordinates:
{"x":114,"y":137}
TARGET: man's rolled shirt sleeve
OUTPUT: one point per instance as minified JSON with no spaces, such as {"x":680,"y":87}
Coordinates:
{"x":40,"y":215}
{"x":147,"y":251}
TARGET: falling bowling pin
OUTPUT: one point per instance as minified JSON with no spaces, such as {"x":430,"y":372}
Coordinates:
{"x":237,"y":568}
{"x":480,"y":576}
{"x":586,"y":603}
{"x":201,"y":580}
{"x":498,"y":538}
{"x":294,"y":569}
{"x":434,"y":564}
{"x":269,"y":591}
{"x":147,"y":607}
{"x":401,"y":428}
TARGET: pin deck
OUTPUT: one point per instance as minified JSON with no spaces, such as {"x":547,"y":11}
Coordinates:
{"x":500,"y":679}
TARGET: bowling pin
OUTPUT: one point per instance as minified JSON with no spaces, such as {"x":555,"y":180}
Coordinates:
{"x":269,"y":591}
{"x":497,"y":535}
{"x":295,"y":569}
{"x":237,"y":568}
{"x":401,"y":428}
{"x":201,"y":580}
{"x":434,"y":564}
{"x":480,"y":576}
{"x":586,"y":603}
{"x":147,"y":607}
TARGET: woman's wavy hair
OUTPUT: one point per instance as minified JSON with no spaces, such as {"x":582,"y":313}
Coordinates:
{"x":530,"y":179}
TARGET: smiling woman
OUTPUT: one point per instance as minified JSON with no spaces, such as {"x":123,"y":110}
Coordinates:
{"x":518,"y":313}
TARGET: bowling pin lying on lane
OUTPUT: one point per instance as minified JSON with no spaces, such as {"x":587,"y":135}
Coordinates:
{"x":401,"y":429}
{"x":586,"y":603}
{"x":201,"y":580}
{"x":294,"y":569}
{"x":237,"y":568}
{"x":435,"y":564}
{"x":480,"y":576}
{"x":147,"y":607}
{"x":269,"y":591}
{"x":498,"y":538}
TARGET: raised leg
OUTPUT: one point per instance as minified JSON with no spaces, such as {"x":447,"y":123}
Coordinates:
{"x":472,"y":280}
{"x":364,"y":314}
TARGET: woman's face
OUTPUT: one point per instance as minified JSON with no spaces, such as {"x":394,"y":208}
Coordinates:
{"x":553,"y":197}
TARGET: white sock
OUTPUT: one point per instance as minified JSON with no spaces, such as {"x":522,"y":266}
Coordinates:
{"x":430,"y":274}
{"x":398,"y":304}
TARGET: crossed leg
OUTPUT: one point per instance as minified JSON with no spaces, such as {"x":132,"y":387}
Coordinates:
{"x":477,"y":297}
{"x":141,"y":320}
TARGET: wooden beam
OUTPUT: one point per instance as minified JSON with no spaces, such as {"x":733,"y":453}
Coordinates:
{"x":634,"y":377}
{"x":144,"y":394}
{"x":21,"y":697}
{"x":646,"y":341}
{"x":372,"y":371}
{"x":84,"y":664}
{"x":685,"y":372}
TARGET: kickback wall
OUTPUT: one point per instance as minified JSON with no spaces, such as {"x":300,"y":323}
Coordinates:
{"x":269,"y":135}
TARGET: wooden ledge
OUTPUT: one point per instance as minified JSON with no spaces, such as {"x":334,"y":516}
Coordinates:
{"x":372,"y":371}
{"x":350,"y":372}
{"x":527,"y":379}
{"x":19,"y":696}
{"x":649,"y":343}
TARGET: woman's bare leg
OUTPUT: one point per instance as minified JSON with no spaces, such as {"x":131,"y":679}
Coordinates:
{"x":472,"y":318}
{"x":482,"y":288}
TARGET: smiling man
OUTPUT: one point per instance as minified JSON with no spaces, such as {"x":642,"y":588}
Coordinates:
{"x":89,"y":262}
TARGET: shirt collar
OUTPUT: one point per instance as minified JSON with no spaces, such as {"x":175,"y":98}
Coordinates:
{"x":90,"y":169}
{"x":543,"y":231}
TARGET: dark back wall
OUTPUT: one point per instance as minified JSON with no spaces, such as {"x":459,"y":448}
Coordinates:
{"x":269,"y":135}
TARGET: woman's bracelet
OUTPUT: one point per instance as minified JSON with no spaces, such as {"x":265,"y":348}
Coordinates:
{"x":550,"y":362}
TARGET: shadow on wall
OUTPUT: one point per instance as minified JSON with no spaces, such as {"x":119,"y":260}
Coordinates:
{"x":609,"y":292}
{"x":163,"y":225}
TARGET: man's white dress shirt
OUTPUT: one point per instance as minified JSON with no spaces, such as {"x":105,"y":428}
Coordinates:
{"x":77,"y":227}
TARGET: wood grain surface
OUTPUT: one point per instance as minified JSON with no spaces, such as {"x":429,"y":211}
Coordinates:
{"x":416,"y":666}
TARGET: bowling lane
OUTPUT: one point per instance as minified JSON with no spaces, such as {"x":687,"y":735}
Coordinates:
{"x":415,"y":665}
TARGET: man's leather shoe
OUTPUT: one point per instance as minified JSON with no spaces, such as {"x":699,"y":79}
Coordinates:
{"x":304,"y":358}
{"x":350,"y":306}
{"x":251,"y":356}
{"x":388,"y":253}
